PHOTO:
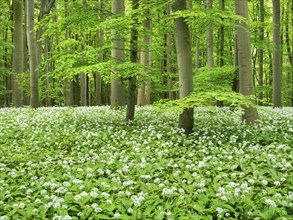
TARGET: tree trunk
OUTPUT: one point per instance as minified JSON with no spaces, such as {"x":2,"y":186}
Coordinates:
{"x":222,"y":36}
{"x":169,"y":65}
{"x":210,"y":38}
{"x":235,"y":83}
{"x":32,"y":48}
{"x":48,"y":80}
{"x":197,"y":54}
{"x":83,"y":89}
{"x":133,"y":58}
{"x":277,"y":74}
{"x":17,"y":65}
{"x":261,"y":51}
{"x":289,"y":47}
{"x":146,"y":61}
{"x":67,"y":83}
{"x":244,"y":59}
{"x":118,"y":55}
{"x":184,"y":60}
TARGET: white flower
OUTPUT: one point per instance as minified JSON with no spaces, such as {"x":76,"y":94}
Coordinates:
{"x":270,"y":202}
{"x":105,"y":195}
{"x":94,"y":194}
{"x":277,"y":183}
{"x":66,"y":217}
{"x":264,"y":182}
{"x":117,"y":215}
{"x":130,"y":210}
{"x":38,"y":201}
{"x":109,"y":201}
{"x":219,"y":210}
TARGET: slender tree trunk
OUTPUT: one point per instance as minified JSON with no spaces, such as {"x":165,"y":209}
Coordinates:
{"x":133,"y":58}
{"x":210,"y":38}
{"x":277,"y":62}
{"x":169,"y":65}
{"x":244,"y":59}
{"x":6,"y":77}
{"x":184,"y":60}
{"x":32,"y":48}
{"x":83,"y":89}
{"x":118,"y":55}
{"x":261,"y":51}
{"x":48,"y":80}
{"x":68,"y":96}
{"x":98,"y":78}
{"x":197,"y":54}
{"x":222,"y":36}
{"x":143,"y":91}
{"x":17,"y":93}
{"x":26,"y":98}
{"x":235,"y":83}
{"x":289,"y":47}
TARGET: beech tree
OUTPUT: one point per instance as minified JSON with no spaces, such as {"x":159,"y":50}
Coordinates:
{"x":17,"y":93}
{"x":133,"y":58}
{"x":244,"y":59}
{"x":210,"y":38}
{"x":32,"y":48}
{"x":277,"y":74}
{"x":184,"y":62}
{"x":118,"y":55}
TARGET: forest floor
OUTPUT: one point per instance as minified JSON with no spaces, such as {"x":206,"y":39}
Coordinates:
{"x":87,"y":163}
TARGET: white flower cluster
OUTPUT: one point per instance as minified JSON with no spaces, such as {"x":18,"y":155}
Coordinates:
{"x":138,"y":199}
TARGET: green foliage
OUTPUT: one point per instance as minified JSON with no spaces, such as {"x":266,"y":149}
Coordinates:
{"x":87,"y":163}
{"x":204,"y":99}
{"x":218,"y":79}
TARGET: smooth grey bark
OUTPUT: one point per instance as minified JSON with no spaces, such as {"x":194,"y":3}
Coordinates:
{"x":48,"y":80}
{"x":118,"y":55}
{"x":17,"y":63}
{"x":32,"y":48}
{"x":210,"y":38}
{"x":133,"y":58}
{"x":277,"y":62}
{"x":261,"y":50}
{"x":184,"y":61}
{"x":144,"y":88}
{"x":83,"y":89}
{"x":169,"y":65}
{"x":98,"y":78}
{"x":289,"y":45}
{"x":197,"y":54}
{"x":67,"y":84}
{"x":222,"y":37}
{"x":244,"y":60}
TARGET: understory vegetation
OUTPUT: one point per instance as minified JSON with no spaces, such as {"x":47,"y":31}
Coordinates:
{"x":88,"y":163}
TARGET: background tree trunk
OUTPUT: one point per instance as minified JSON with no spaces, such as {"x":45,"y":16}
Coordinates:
{"x":118,"y":54}
{"x":17,"y":65}
{"x":277,"y":62}
{"x":210,"y":38}
{"x":184,"y":60}
{"x":32,"y":48}
{"x":133,"y":58}
{"x":222,"y":37}
{"x":244,"y":59}
{"x":144,"y":89}
{"x":261,"y":50}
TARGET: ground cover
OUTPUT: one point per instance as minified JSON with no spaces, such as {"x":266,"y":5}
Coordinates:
{"x":87,"y":163}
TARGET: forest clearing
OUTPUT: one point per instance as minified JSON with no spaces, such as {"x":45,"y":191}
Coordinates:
{"x":88,"y":163}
